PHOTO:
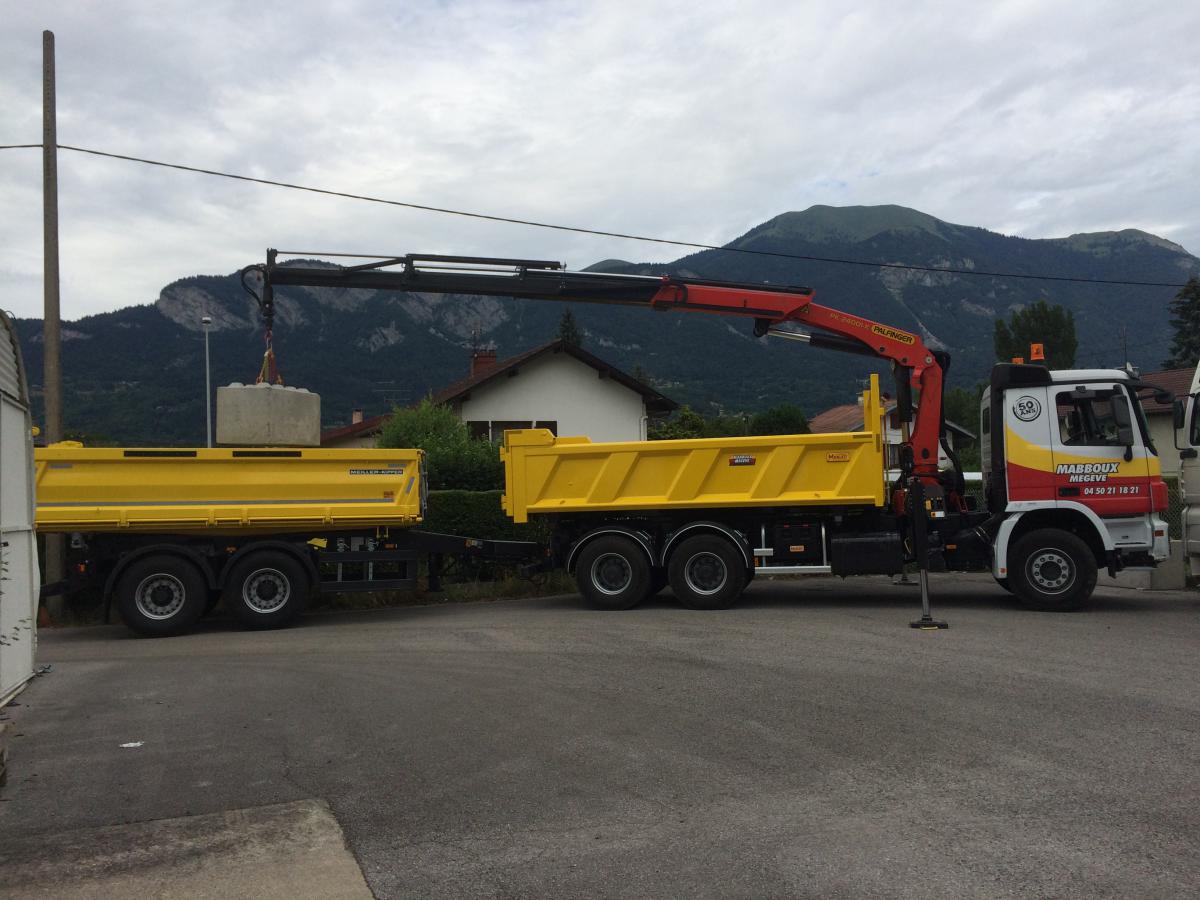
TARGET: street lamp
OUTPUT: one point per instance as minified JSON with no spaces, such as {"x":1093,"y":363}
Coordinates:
{"x":207,"y":321}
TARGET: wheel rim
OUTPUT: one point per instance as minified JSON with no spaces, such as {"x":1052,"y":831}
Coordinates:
{"x":705,"y":573}
{"x":266,"y":590}
{"x":611,"y":573}
{"x":159,"y":596}
{"x":1050,"y":571}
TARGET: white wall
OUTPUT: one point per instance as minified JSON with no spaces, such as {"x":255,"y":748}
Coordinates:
{"x":18,"y":550}
{"x":558,"y":387}
{"x":1162,"y":432}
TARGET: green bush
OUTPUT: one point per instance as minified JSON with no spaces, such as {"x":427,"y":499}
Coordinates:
{"x":453,"y":459}
{"x":787,"y":418}
{"x":687,"y":423}
{"x":477,"y":514}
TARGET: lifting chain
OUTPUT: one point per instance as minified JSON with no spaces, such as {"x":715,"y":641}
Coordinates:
{"x":269,"y":373}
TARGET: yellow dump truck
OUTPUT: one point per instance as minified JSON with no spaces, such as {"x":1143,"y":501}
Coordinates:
{"x":707,"y":515}
{"x":164,"y":533}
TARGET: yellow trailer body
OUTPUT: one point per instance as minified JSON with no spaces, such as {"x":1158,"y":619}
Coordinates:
{"x":226,"y":490}
{"x":545,"y":474}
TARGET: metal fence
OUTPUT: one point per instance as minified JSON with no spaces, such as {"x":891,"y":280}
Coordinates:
{"x":1174,"y":508}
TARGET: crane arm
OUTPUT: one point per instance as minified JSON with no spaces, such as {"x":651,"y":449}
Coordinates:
{"x":769,"y":306}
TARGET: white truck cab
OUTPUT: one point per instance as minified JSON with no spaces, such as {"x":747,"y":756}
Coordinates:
{"x":1187,"y":438}
{"x":1068,"y":462}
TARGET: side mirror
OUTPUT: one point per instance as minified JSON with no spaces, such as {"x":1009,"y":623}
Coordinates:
{"x":1179,"y":408}
{"x":1120,"y":409}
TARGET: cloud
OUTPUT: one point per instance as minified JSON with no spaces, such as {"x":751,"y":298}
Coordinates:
{"x":692,"y":121}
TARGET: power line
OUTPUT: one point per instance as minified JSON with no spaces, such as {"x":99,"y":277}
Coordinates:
{"x":592,"y":231}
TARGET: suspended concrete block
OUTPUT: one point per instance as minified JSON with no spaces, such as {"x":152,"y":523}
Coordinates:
{"x":268,"y":415}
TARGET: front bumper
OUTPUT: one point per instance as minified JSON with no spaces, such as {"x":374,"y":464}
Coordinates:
{"x":1161,"y":548}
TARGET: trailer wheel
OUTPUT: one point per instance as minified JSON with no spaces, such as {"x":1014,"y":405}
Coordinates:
{"x":613,"y":573}
{"x":266,"y":589}
{"x":707,"y":572}
{"x":1052,"y":570}
{"x":161,"y":595}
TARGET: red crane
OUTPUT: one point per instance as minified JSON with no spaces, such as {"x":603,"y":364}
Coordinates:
{"x":917,"y":368}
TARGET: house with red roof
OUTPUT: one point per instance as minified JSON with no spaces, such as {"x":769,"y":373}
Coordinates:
{"x":849,"y":417}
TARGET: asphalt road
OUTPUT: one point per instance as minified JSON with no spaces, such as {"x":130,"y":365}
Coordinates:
{"x":806,"y":743}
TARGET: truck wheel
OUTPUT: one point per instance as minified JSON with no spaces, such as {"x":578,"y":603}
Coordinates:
{"x":613,"y":573}
{"x":1003,"y":582}
{"x":161,"y":595}
{"x":1052,"y":570}
{"x":707,"y":572}
{"x":266,"y":589}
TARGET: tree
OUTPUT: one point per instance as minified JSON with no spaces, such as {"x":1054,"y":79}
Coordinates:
{"x":1185,"y":319}
{"x":961,"y":406}
{"x":453,"y":459}
{"x":686,"y":423}
{"x":786,"y":418}
{"x":568,"y":329}
{"x":1051,"y":326}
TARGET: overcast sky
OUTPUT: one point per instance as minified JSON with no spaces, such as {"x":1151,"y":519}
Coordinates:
{"x":688,"y":120}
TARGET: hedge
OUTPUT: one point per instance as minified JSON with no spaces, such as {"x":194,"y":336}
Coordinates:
{"x":477,"y":514}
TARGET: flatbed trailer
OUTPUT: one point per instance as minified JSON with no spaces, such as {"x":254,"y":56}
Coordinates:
{"x":165,"y":533}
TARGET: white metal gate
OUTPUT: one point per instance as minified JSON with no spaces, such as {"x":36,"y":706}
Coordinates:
{"x":19,"y":579}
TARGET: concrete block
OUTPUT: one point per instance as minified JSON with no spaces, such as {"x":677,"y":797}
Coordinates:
{"x":1171,"y":573}
{"x":1168,"y":575}
{"x":268,"y":415}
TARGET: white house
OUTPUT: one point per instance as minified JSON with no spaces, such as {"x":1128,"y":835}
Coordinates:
{"x":1160,"y":416}
{"x":557,"y":386}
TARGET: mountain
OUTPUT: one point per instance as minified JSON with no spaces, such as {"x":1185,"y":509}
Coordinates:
{"x":137,"y":375}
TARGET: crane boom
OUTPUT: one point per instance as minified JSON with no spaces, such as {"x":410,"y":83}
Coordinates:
{"x":771,"y":307}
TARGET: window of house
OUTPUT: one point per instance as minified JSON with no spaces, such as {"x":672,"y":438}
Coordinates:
{"x":500,"y":426}
{"x":480,"y":429}
{"x":550,"y":425}
{"x":1087,"y":421}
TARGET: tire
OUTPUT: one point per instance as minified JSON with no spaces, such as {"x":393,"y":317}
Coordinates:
{"x":613,"y":573}
{"x":707,"y":572}
{"x":161,"y":595}
{"x":1052,"y":570}
{"x":266,"y":589}
{"x":1003,"y":582}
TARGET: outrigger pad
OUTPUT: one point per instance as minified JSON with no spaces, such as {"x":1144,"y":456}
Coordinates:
{"x":930,"y":624}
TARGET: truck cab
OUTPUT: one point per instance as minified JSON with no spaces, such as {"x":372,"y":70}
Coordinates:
{"x":1187,"y":438}
{"x":1072,"y":480}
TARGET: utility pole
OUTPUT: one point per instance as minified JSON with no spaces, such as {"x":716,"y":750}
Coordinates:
{"x":207,"y":321}
{"x":52,"y":341}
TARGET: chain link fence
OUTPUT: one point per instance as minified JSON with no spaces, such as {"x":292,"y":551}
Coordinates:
{"x":1174,"y":508}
